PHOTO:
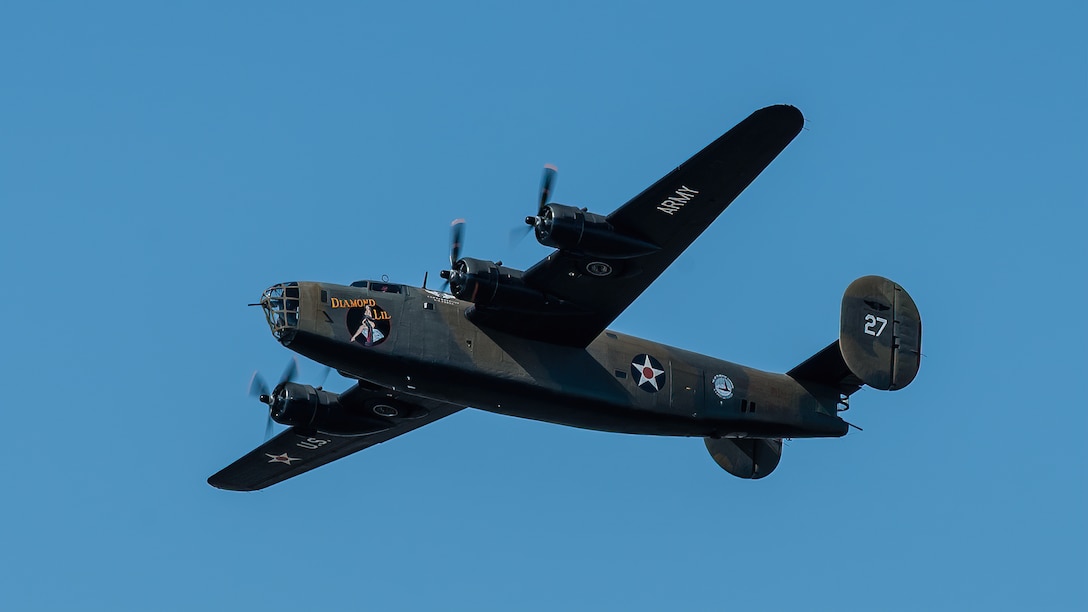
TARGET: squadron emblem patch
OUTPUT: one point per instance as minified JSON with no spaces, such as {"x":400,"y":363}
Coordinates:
{"x":723,"y":387}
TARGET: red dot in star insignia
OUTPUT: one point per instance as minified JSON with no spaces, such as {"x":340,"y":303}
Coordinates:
{"x":647,"y":372}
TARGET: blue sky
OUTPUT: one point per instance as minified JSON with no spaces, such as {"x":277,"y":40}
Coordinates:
{"x":161,"y":165}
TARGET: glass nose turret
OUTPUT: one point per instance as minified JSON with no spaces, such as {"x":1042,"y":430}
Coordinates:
{"x":280,"y":303}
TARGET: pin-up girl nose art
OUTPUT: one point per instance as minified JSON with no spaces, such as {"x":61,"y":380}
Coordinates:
{"x":368,"y":325}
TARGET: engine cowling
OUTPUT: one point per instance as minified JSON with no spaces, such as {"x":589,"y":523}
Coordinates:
{"x":303,"y":406}
{"x":485,"y":282}
{"x":574,"y":229}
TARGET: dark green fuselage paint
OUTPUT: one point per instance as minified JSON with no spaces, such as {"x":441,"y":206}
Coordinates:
{"x":430,"y":349}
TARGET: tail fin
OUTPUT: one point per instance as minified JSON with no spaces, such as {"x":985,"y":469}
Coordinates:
{"x":880,"y":333}
{"x":748,"y":458}
{"x":880,"y":340}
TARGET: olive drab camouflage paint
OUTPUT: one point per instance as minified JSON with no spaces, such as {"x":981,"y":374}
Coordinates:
{"x":535,"y":344}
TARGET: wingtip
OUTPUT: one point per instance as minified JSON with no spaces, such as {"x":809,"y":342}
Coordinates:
{"x":216,"y":481}
{"x":780,"y":117}
{"x":785,"y":111}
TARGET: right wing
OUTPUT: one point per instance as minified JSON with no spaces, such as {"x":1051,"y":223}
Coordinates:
{"x":295,"y":452}
{"x":587,"y":292}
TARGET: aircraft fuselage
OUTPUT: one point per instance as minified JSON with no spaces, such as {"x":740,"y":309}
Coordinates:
{"x":418,"y":342}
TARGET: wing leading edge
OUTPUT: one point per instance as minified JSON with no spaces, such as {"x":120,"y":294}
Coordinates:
{"x":670,"y":214}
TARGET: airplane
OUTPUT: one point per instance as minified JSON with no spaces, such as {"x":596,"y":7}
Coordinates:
{"x":535,"y":343}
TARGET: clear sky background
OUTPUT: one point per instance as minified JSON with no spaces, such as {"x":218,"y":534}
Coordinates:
{"x":161,"y":165}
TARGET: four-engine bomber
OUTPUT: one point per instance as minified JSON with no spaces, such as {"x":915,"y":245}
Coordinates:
{"x":535,"y":343}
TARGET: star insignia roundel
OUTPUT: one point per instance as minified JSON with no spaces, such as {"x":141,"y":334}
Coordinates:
{"x":281,"y":458}
{"x":648,"y":373}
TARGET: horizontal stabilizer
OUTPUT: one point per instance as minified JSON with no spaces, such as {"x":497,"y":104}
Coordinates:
{"x":829,"y":368}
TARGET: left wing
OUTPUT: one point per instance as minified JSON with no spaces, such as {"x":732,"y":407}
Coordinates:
{"x":587,"y":293}
{"x":295,"y":451}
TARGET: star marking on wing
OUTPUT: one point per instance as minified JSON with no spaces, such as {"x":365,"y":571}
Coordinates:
{"x":647,"y":372}
{"x":281,"y":458}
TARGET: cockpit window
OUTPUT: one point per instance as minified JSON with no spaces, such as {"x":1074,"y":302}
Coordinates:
{"x":379,"y":286}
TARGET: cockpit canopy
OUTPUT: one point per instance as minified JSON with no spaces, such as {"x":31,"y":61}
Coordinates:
{"x":379,"y":286}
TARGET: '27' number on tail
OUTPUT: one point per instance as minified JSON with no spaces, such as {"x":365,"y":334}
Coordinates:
{"x":874,"y":325}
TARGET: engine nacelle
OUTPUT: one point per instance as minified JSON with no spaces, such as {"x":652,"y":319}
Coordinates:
{"x":309,"y":408}
{"x":484,"y":282}
{"x":573,"y":229}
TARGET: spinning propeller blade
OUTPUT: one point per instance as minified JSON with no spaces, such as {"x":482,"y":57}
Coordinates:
{"x":257,"y":385}
{"x":547,"y":185}
{"x":457,"y":236}
{"x":258,"y":388}
{"x":518,"y":234}
{"x":289,"y":372}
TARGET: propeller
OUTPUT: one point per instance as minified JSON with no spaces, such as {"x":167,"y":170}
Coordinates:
{"x":457,"y":236}
{"x":258,"y":388}
{"x":547,"y":185}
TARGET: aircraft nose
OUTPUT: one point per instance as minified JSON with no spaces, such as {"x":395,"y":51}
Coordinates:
{"x":281,"y":306}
